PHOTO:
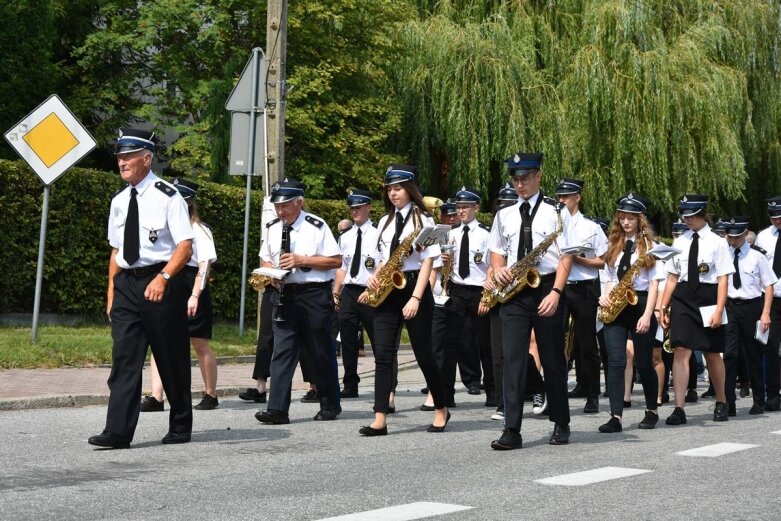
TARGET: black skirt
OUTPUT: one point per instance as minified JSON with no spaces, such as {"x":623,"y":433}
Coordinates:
{"x":201,"y":324}
{"x":686,"y":326}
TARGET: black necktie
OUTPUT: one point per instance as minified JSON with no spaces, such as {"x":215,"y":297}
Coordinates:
{"x":694,"y":272}
{"x":463,"y":255}
{"x":355,"y":267}
{"x":623,"y":265}
{"x":130,"y":244}
{"x":525,"y":242}
{"x":397,"y":235}
{"x":777,"y":257}
{"x":285,"y":239}
{"x":736,"y":276}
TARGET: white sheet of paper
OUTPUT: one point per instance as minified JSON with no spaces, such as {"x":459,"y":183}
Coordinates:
{"x":433,"y":234}
{"x":707,"y":312}
{"x":600,"y":325}
{"x":588,"y":251}
{"x":274,"y":273}
{"x":759,"y":335}
{"x":659,"y":334}
{"x":663,"y":252}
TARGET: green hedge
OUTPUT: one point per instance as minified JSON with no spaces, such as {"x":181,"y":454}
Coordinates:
{"x":77,"y":251}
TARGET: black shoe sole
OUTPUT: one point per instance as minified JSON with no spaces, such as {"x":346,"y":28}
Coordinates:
{"x":117,"y":445}
{"x":498,"y":446}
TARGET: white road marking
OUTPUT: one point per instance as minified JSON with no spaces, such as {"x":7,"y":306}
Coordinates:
{"x":591,"y":476}
{"x":402,"y":512}
{"x":716,"y":450}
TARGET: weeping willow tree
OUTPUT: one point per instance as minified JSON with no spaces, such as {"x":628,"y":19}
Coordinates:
{"x":658,"y":96}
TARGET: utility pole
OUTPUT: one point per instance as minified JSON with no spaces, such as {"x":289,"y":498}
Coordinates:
{"x":276,"y":51}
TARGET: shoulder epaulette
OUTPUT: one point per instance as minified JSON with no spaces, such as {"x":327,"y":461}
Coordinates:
{"x":457,"y":227}
{"x":275,"y":221}
{"x":374,"y":224}
{"x":165,"y":188}
{"x":550,"y":201}
{"x":760,"y":250}
{"x":119,"y":191}
{"x":485,"y":227}
{"x":314,"y":222}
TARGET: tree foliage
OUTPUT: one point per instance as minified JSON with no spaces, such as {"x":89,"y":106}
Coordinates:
{"x":655,"y":96}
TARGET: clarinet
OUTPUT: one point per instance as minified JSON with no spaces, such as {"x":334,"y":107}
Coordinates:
{"x":279,"y":311}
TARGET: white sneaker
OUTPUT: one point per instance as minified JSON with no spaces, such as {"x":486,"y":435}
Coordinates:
{"x":498,"y":415}
{"x":539,"y":403}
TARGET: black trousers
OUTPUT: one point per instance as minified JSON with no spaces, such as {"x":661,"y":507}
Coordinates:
{"x":446,"y":351}
{"x":137,"y":324}
{"x":742,"y":320}
{"x":352,"y":315}
{"x":307,"y":311}
{"x":519,"y":317}
{"x":387,"y":330}
{"x":772,"y":366}
{"x":616,"y":335}
{"x":265,"y":348}
{"x":497,"y":356}
{"x":582,"y":300}
{"x":474,"y":332}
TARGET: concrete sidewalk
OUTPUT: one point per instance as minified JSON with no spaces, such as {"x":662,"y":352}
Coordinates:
{"x":73,"y":387}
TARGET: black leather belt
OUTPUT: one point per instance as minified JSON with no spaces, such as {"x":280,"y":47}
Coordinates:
{"x":145,"y":271}
{"x":739,"y":301}
{"x":580,"y":282}
{"x":642,"y":293}
{"x":357,"y":287}
{"x":465,"y":287}
{"x":411,"y":275}
{"x":301,"y":286}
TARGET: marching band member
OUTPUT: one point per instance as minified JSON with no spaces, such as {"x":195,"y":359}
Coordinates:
{"x":526,"y":227}
{"x":413,"y":305}
{"x":631,"y":237}
{"x":767,"y":239}
{"x":749,"y":300}
{"x":697,"y":278}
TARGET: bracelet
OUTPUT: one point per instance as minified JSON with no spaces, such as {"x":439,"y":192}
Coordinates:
{"x":416,"y":298}
{"x":557,"y":290}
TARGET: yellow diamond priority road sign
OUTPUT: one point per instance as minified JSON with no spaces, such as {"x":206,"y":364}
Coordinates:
{"x":50,"y":139}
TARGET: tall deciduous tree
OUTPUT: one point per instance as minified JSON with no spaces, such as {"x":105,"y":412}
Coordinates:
{"x":656,"y":96}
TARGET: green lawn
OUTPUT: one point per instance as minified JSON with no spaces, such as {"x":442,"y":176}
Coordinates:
{"x":90,"y":345}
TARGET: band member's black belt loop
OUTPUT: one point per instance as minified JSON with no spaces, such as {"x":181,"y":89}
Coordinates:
{"x":739,"y":301}
{"x":580,"y":282}
{"x":144,"y":271}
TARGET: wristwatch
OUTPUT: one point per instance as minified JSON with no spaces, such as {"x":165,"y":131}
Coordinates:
{"x":166,"y":275}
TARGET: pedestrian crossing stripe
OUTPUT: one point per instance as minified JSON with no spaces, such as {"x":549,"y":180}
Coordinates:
{"x":402,"y":512}
{"x":716,"y":450}
{"x":588,"y":477}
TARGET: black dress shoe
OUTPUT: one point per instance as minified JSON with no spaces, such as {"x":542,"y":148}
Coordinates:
{"x":150,"y":404}
{"x":721,"y":412}
{"x":433,"y":428}
{"x":691,"y":396}
{"x":108,"y":441}
{"x":327,"y":414}
{"x":733,"y":411}
{"x":427,"y":408}
{"x":509,"y":440}
{"x":207,"y":403}
{"x":745,"y":391}
{"x":253,"y":395}
{"x":391,"y":409}
{"x":350,"y":391}
{"x":757,"y":408}
{"x":310,"y":397}
{"x":665,"y":397}
{"x":592,"y":405}
{"x":649,"y":421}
{"x":577,"y":392}
{"x":678,"y":417}
{"x":709,"y":393}
{"x":560,"y":435}
{"x":424,"y":390}
{"x":627,"y":404}
{"x":473,"y":389}
{"x":369,"y":431}
{"x":174,"y":438}
{"x":613,"y":425}
{"x":272,"y":417}
{"x":773,"y":404}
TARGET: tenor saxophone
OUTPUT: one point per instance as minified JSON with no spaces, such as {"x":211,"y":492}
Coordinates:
{"x":524,"y":271}
{"x":390,"y":275}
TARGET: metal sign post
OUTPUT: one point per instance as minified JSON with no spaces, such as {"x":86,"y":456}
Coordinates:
{"x":51,"y":140}
{"x":247,"y":104}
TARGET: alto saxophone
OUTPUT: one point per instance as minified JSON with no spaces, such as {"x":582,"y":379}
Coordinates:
{"x":390,"y":276}
{"x":623,"y":294}
{"x":524,"y":271}
{"x":259,"y":282}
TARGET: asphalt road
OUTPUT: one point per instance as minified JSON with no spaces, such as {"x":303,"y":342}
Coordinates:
{"x":236,"y":468}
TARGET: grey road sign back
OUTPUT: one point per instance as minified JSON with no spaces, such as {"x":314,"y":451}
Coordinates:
{"x":240,"y":99}
{"x":240,"y":144}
